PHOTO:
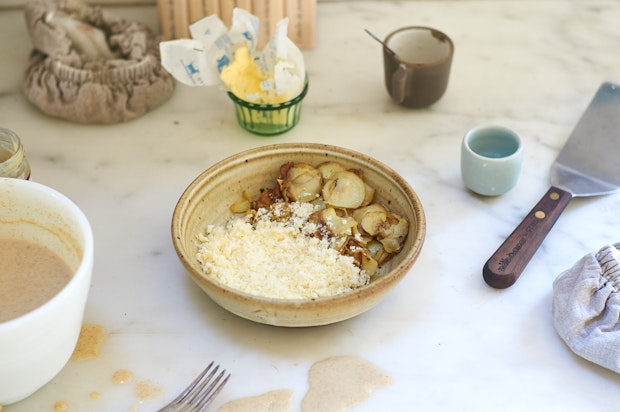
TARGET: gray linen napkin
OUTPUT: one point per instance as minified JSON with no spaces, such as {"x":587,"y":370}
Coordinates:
{"x":586,"y":307}
{"x":89,"y":66}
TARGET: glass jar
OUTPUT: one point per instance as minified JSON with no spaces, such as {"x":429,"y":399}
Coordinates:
{"x":269,"y":119}
{"x":13,"y":162}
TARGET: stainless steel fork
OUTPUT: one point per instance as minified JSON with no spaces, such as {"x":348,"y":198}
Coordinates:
{"x":199,"y":394}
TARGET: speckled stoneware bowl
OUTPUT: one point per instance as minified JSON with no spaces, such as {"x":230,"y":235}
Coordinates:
{"x":207,"y":201}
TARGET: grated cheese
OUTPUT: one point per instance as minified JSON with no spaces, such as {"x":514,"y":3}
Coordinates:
{"x":274,"y":253}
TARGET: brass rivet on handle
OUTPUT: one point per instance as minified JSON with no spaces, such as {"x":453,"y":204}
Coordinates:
{"x":554,"y":196}
{"x":540,"y":214}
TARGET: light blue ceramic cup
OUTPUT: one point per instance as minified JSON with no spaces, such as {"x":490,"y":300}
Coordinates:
{"x":491,"y":158}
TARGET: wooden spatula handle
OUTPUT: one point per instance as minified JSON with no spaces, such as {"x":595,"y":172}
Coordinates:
{"x":505,"y":266}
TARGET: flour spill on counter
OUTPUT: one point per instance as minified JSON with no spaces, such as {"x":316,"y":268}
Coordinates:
{"x":88,"y":347}
{"x":89,"y":342}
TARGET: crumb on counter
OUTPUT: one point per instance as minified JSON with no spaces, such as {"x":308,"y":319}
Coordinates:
{"x":122,"y":376}
{"x":61,"y":406}
{"x":147,"y":390}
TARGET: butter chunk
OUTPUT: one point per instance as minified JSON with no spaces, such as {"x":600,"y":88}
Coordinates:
{"x":244,"y":78}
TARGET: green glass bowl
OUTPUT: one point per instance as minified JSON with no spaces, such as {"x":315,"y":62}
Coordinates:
{"x":269,"y":119}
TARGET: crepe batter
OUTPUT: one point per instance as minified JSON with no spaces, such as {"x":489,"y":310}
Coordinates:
{"x":341,"y":382}
{"x":335,"y":385}
{"x":274,"y":401}
{"x":30,"y":275}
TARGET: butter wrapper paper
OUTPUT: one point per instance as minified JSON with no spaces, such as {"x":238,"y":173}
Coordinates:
{"x":273,"y":74}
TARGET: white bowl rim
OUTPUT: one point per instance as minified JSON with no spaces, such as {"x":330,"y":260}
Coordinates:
{"x":87,"y":254}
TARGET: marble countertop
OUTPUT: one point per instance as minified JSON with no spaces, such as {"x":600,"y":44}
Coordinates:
{"x":448,"y":341}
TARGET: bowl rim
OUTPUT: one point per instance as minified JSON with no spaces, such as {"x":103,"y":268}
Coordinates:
{"x":394,"y":275}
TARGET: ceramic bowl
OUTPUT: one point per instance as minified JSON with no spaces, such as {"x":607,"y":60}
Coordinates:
{"x":208,"y":198}
{"x":35,"y":346}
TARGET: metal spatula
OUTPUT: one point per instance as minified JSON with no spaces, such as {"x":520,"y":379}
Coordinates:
{"x":588,"y":165}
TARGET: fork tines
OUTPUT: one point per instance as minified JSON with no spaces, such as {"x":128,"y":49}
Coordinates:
{"x":199,"y":394}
